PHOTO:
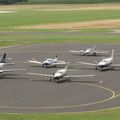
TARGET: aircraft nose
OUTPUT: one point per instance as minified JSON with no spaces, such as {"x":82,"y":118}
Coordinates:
{"x":101,"y":64}
{"x":86,"y":51}
{"x":57,"y":75}
{"x":45,"y":63}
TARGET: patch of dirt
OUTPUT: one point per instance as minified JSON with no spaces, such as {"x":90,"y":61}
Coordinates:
{"x":1,"y":11}
{"x":77,"y":25}
{"x":63,"y":7}
{"x":116,"y":31}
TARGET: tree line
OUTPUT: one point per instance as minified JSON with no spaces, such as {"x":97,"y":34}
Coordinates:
{"x":55,"y":1}
{"x":11,"y":1}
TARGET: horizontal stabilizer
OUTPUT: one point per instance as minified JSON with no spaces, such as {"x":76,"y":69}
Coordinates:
{"x":9,"y":70}
{"x":45,"y":75}
{"x":34,"y":61}
{"x":93,"y":64}
{"x":76,"y":51}
{"x":78,"y":76}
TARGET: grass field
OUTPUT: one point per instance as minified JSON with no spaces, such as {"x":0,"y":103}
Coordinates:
{"x":70,"y":1}
{"x":24,"y":26}
{"x":35,"y":17}
{"x":48,"y":36}
{"x":103,"y":115}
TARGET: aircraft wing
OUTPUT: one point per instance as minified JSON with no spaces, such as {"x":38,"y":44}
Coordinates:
{"x":60,"y":63}
{"x":115,"y":65}
{"x":77,"y":51}
{"x":93,"y":64}
{"x":78,"y":76}
{"x":34,"y":61}
{"x":9,"y":70}
{"x":100,"y":51}
{"x":9,"y":63}
{"x":45,"y":75}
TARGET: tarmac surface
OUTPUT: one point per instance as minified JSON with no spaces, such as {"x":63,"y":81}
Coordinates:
{"x":23,"y":93}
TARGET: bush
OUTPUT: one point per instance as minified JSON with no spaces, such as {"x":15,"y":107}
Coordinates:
{"x":11,"y":1}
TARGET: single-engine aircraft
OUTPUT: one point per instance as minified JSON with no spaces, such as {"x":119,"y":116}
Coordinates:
{"x":48,"y":62}
{"x":106,"y":62}
{"x":60,"y":74}
{"x":2,"y":63}
{"x":89,"y":51}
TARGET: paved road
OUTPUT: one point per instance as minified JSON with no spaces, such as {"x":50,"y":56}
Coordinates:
{"x":22,"y":93}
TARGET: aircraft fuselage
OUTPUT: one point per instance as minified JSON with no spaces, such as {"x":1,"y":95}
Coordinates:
{"x":105,"y":62}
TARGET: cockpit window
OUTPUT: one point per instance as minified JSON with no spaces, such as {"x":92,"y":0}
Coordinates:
{"x":103,"y":60}
{"x":89,"y":49}
{"x":49,"y":59}
{"x":60,"y":71}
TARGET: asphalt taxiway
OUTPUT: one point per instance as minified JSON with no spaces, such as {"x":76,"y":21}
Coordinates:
{"x":23,"y":93}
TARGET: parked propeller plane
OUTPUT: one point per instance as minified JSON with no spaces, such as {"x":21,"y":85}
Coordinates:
{"x":106,"y":62}
{"x":60,"y":74}
{"x":89,"y":51}
{"x":48,"y":62}
{"x":2,"y":63}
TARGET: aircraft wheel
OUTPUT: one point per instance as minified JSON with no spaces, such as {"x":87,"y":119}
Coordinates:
{"x":101,"y":69}
{"x":57,"y":81}
{"x":69,"y":80}
{"x":83,"y":54}
{"x":45,"y":66}
{"x":94,"y":54}
{"x":50,"y":79}
{"x":96,"y":68}
{"x":113,"y":68}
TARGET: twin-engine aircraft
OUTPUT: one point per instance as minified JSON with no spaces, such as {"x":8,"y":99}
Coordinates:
{"x":48,"y":62}
{"x":60,"y":74}
{"x":3,"y":62}
{"x":106,"y":62}
{"x":89,"y":51}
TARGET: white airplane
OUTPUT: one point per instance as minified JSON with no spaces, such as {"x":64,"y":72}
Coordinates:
{"x":2,"y":63}
{"x":60,"y":74}
{"x":48,"y":62}
{"x":106,"y":62}
{"x":89,"y":51}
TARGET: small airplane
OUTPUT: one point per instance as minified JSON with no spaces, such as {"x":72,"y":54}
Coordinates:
{"x":60,"y":74}
{"x":89,"y":51}
{"x":106,"y":62}
{"x":2,"y":63}
{"x":48,"y":62}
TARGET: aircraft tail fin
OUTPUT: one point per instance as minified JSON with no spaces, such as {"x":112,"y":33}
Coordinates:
{"x":112,"y":53}
{"x":56,"y":57}
{"x":94,"y":47}
{"x":66,"y":67}
{"x":3,"y":58}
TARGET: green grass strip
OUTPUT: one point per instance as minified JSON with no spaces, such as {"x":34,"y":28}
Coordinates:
{"x":103,"y":115}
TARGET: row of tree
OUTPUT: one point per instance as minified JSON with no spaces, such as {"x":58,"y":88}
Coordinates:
{"x":11,"y":1}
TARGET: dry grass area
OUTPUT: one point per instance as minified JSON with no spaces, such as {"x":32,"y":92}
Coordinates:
{"x":78,"y":25}
{"x":61,"y":7}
